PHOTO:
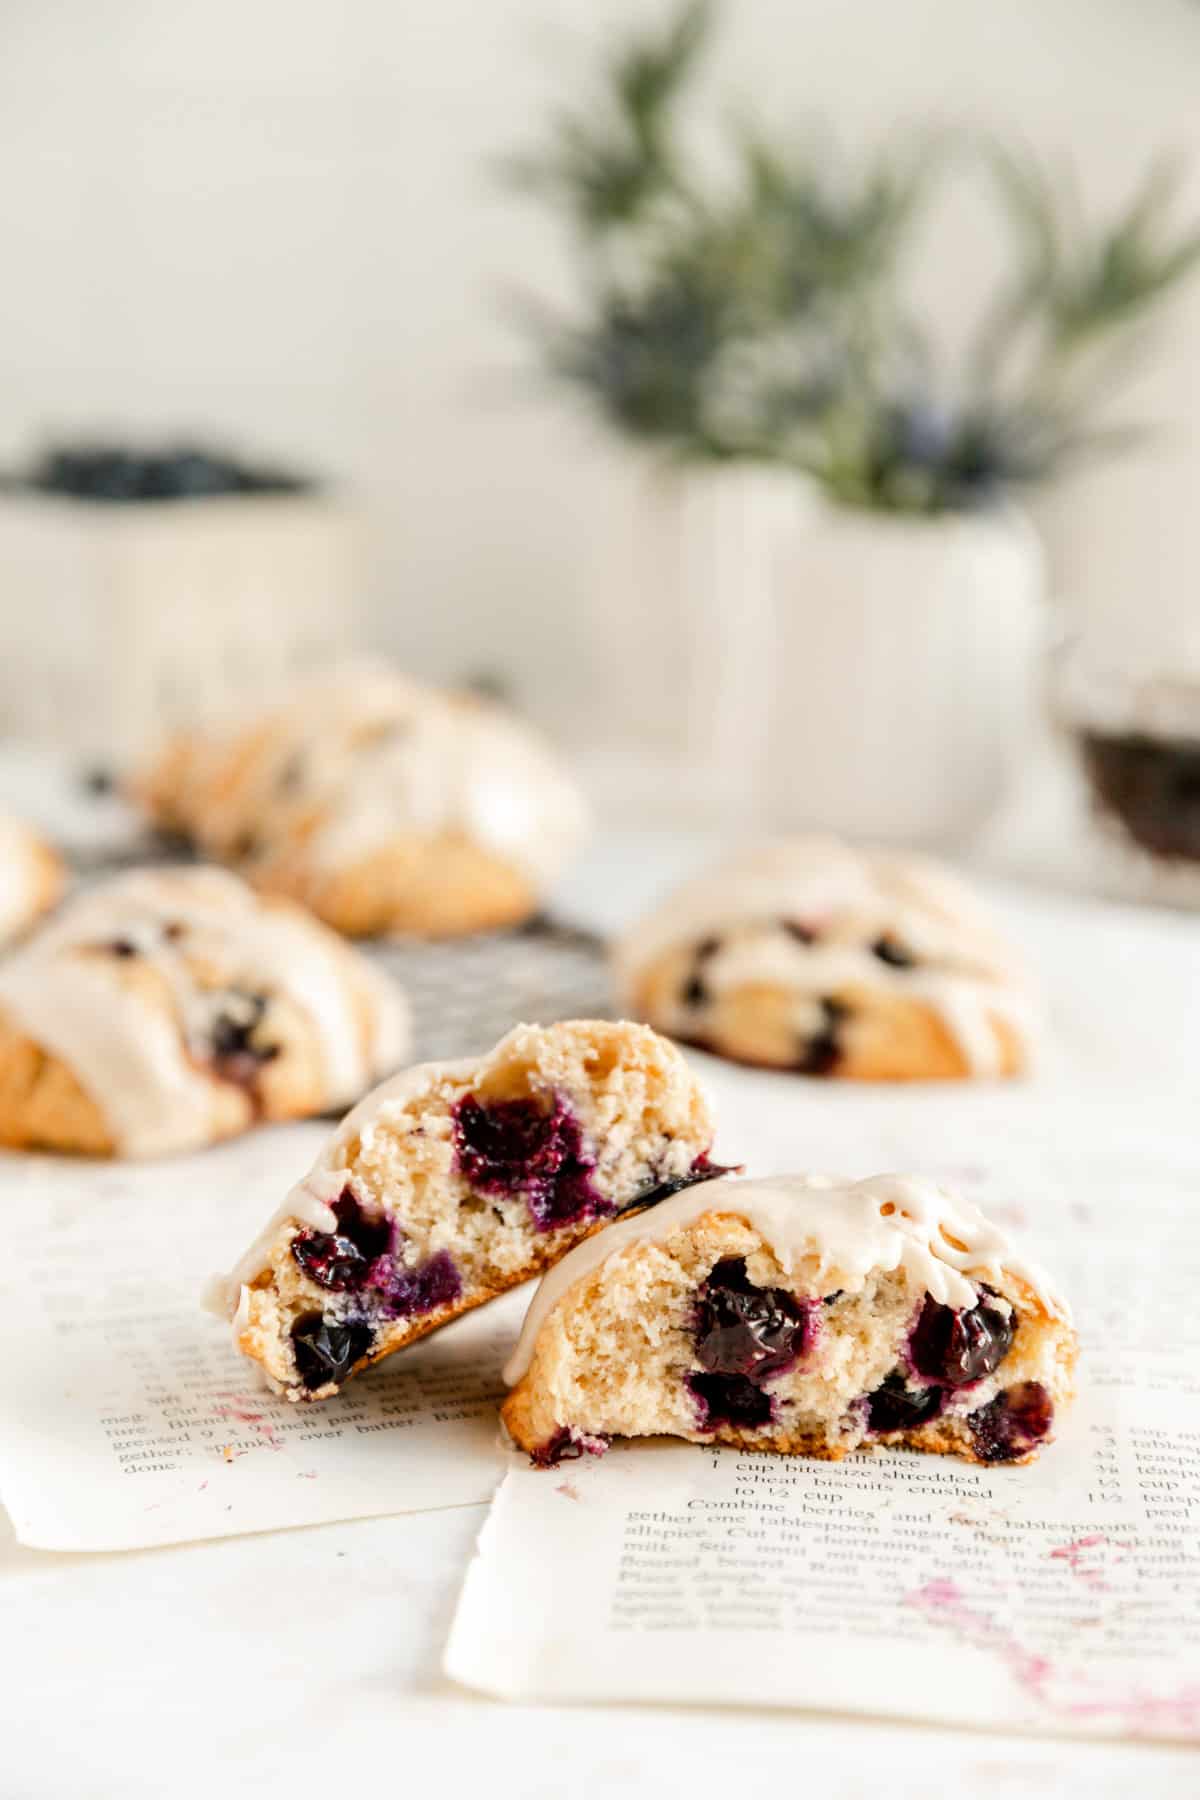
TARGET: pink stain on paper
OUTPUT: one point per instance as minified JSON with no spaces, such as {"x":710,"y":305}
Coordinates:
{"x":568,"y":1490}
{"x":232,"y":1406}
{"x":1137,"y":1711}
{"x":1086,"y":1566}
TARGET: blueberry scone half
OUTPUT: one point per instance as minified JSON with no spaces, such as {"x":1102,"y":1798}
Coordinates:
{"x":32,"y":878}
{"x":167,"y":1008}
{"x":383,"y":805}
{"x":798,"y":1314}
{"x":809,"y":955}
{"x":455,"y":1182}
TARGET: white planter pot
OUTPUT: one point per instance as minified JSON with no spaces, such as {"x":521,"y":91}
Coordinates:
{"x":694,"y":608}
{"x":126,"y":621}
{"x":903,"y":676}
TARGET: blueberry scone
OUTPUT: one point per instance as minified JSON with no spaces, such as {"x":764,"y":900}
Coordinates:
{"x":796,"y":1314}
{"x":167,"y":1008}
{"x":806,"y":954}
{"x":31,"y":878}
{"x":456,"y":1181}
{"x":381,"y":804}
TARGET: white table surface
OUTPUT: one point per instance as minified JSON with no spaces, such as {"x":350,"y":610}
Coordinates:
{"x":160,"y":1673}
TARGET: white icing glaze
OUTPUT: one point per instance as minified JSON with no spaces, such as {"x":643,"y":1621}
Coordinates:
{"x":962,"y":971}
{"x":134,"y":1060}
{"x":309,"y":1203}
{"x":851,"y":1228}
{"x":377,"y":756}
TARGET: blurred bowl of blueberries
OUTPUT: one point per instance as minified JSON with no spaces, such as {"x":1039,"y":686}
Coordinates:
{"x":117,"y":474}
{"x":146,"y":586}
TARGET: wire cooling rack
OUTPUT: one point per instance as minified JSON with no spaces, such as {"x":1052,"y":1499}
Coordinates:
{"x":467,"y":992}
{"x":464,"y":992}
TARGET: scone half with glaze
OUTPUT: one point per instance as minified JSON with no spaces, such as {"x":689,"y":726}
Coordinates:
{"x":164,"y":1009}
{"x":383,"y":805}
{"x":797,"y":1314}
{"x":455,"y":1182}
{"x":809,"y":955}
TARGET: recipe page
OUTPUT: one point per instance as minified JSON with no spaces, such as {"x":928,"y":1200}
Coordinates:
{"x":128,"y":1420}
{"x":1061,"y":1596}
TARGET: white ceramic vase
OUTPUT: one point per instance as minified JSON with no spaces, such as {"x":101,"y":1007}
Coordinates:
{"x":903,"y":674}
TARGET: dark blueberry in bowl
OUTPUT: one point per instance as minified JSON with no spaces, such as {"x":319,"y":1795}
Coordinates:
{"x":327,"y":1349}
{"x":1013,"y":1423}
{"x":894,"y":1406}
{"x":953,"y":1347}
{"x":510,"y":1147}
{"x":341,"y":1260}
{"x":729,"y":1400}
{"x":746,"y":1330}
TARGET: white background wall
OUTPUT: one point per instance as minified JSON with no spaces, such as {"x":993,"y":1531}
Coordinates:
{"x":273,"y":220}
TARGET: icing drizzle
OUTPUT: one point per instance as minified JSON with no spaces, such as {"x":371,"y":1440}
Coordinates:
{"x":961,"y":969}
{"x":355,"y":758}
{"x":143,"y":1064}
{"x":888,"y":1222}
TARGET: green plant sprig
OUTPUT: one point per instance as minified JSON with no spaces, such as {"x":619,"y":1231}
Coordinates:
{"x":763,"y":314}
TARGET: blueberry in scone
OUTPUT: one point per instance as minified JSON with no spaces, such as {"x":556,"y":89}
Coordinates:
{"x":457,"y":1181}
{"x":166,"y":1008}
{"x":797,"y":1314}
{"x":808,"y":955}
{"x":381,"y":804}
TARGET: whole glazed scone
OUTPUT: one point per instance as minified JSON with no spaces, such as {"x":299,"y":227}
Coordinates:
{"x":807,"y":954}
{"x":797,"y":1314}
{"x":32,"y":878}
{"x":167,"y":1008}
{"x":381,"y":804}
{"x":456,"y":1181}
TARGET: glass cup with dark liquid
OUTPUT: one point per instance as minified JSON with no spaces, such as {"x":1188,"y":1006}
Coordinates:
{"x":1136,"y":731}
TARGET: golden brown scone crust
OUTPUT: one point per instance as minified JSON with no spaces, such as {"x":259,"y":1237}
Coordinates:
{"x":592,"y":1340}
{"x":314,"y":799}
{"x":440,"y":887}
{"x":42,"y":1106}
{"x":46,"y":1104}
{"x":882,"y":1037}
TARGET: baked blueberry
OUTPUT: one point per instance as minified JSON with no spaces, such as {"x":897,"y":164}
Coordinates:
{"x":326,"y":1349}
{"x":1012,"y":1424}
{"x":341,"y":1260}
{"x":236,"y":1050}
{"x":404,"y":1293}
{"x":894,"y":1406}
{"x":953,"y":1347}
{"x":819,"y":1053}
{"x":729,"y":1400}
{"x":746,"y":1330}
{"x":695,"y":991}
{"x":510,"y":1147}
{"x":892,"y":953}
